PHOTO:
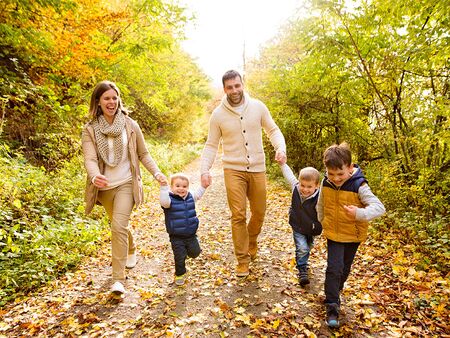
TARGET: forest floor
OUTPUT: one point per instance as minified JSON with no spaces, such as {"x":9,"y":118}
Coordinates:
{"x":384,"y":296}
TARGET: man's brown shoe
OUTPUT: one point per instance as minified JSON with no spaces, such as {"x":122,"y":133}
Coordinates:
{"x":242,"y":270}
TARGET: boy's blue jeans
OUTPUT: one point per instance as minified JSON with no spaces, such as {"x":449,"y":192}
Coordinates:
{"x":339,"y":262}
{"x":183,"y":247}
{"x":302,"y":250}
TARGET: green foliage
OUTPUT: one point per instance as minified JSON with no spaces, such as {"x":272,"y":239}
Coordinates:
{"x":32,"y":255}
{"x":43,"y":229}
{"x":170,"y":157}
{"x":376,"y":75}
{"x":429,"y":239}
{"x":167,"y":103}
{"x":53,"y":52}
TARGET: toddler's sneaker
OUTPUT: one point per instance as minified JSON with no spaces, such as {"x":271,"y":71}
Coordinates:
{"x":332,"y":319}
{"x":303,"y":277}
{"x":180,"y":280}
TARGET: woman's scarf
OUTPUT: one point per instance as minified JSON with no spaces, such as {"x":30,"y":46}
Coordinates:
{"x":102,"y":129}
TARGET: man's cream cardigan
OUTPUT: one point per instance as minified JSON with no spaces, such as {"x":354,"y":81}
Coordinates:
{"x":241,"y":136}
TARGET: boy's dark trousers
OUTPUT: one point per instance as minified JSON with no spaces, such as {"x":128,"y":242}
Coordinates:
{"x":339,"y":262}
{"x":183,"y":247}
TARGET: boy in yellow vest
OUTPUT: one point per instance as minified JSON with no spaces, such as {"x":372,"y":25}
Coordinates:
{"x":345,"y":206}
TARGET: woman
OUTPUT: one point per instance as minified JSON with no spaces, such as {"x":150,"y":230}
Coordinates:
{"x":113,"y":145}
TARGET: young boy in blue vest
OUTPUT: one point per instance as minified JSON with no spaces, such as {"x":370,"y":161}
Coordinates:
{"x":345,"y":206}
{"x":181,"y":221}
{"x":303,"y":215}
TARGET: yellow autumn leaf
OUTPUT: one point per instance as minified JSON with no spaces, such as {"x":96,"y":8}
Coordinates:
{"x":257,"y":324}
{"x":239,"y":309}
{"x":245,"y":318}
{"x":17,"y":204}
{"x":398,"y":269}
{"x":276,"y":323}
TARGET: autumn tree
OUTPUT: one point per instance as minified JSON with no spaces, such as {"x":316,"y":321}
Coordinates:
{"x":53,"y":53}
{"x":373,"y":74}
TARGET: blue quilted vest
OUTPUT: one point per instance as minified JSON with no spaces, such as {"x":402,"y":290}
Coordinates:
{"x":181,"y":217}
{"x":303,"y":216}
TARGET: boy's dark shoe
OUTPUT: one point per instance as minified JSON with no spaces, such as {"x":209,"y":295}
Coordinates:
{"x":332,"y":319}
{"x":303,"y":277}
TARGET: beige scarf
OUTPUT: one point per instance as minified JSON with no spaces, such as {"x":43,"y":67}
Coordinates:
{"x":102,"y":129}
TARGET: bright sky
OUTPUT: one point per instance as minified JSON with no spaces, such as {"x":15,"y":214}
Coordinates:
{"x":216,"y":38}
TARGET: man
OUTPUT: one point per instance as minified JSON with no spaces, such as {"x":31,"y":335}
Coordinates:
{"x":238,"y":121}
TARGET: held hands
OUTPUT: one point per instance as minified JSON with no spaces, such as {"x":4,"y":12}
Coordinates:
{"x":280,"y":157}
{"x":351,"y":210}
{"x":206,"y":180}
{"x":162,"y":179}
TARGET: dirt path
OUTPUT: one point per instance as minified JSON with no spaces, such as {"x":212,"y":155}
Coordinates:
{"x":213,"y":303}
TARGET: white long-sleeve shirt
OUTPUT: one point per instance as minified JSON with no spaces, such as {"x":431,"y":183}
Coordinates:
{"x":164,"y":198}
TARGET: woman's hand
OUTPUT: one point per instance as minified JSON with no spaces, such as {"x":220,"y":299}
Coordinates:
{"x":100,"y":181}
{"x":162,"y":179}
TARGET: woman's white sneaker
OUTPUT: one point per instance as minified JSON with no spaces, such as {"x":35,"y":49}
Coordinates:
{"x":117,"y":288}
{"x":131,"y":261}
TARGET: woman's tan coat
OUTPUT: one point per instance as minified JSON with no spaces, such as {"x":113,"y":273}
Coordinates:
{"x":137,"y":151}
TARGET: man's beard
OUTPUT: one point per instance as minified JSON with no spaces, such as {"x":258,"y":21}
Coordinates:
{"x":235,"y":99}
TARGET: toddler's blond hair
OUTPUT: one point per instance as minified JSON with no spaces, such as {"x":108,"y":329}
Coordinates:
{"x":180,"y":176}
{"x":309,"y":174}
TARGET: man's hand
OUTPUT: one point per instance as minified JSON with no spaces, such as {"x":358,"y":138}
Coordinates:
{"x":206,"y":180}
{"x":280,"y":157}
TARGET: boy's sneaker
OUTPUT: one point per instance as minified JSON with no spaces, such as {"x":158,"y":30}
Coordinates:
{"x":117,"y":289}
{"x":332,"y":319}
{"x":303,"y":277}
{"x":179,"y":280}
{"x":242,"y":270}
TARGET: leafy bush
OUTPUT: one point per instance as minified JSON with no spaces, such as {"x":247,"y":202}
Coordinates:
{"x":417,"y":216}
